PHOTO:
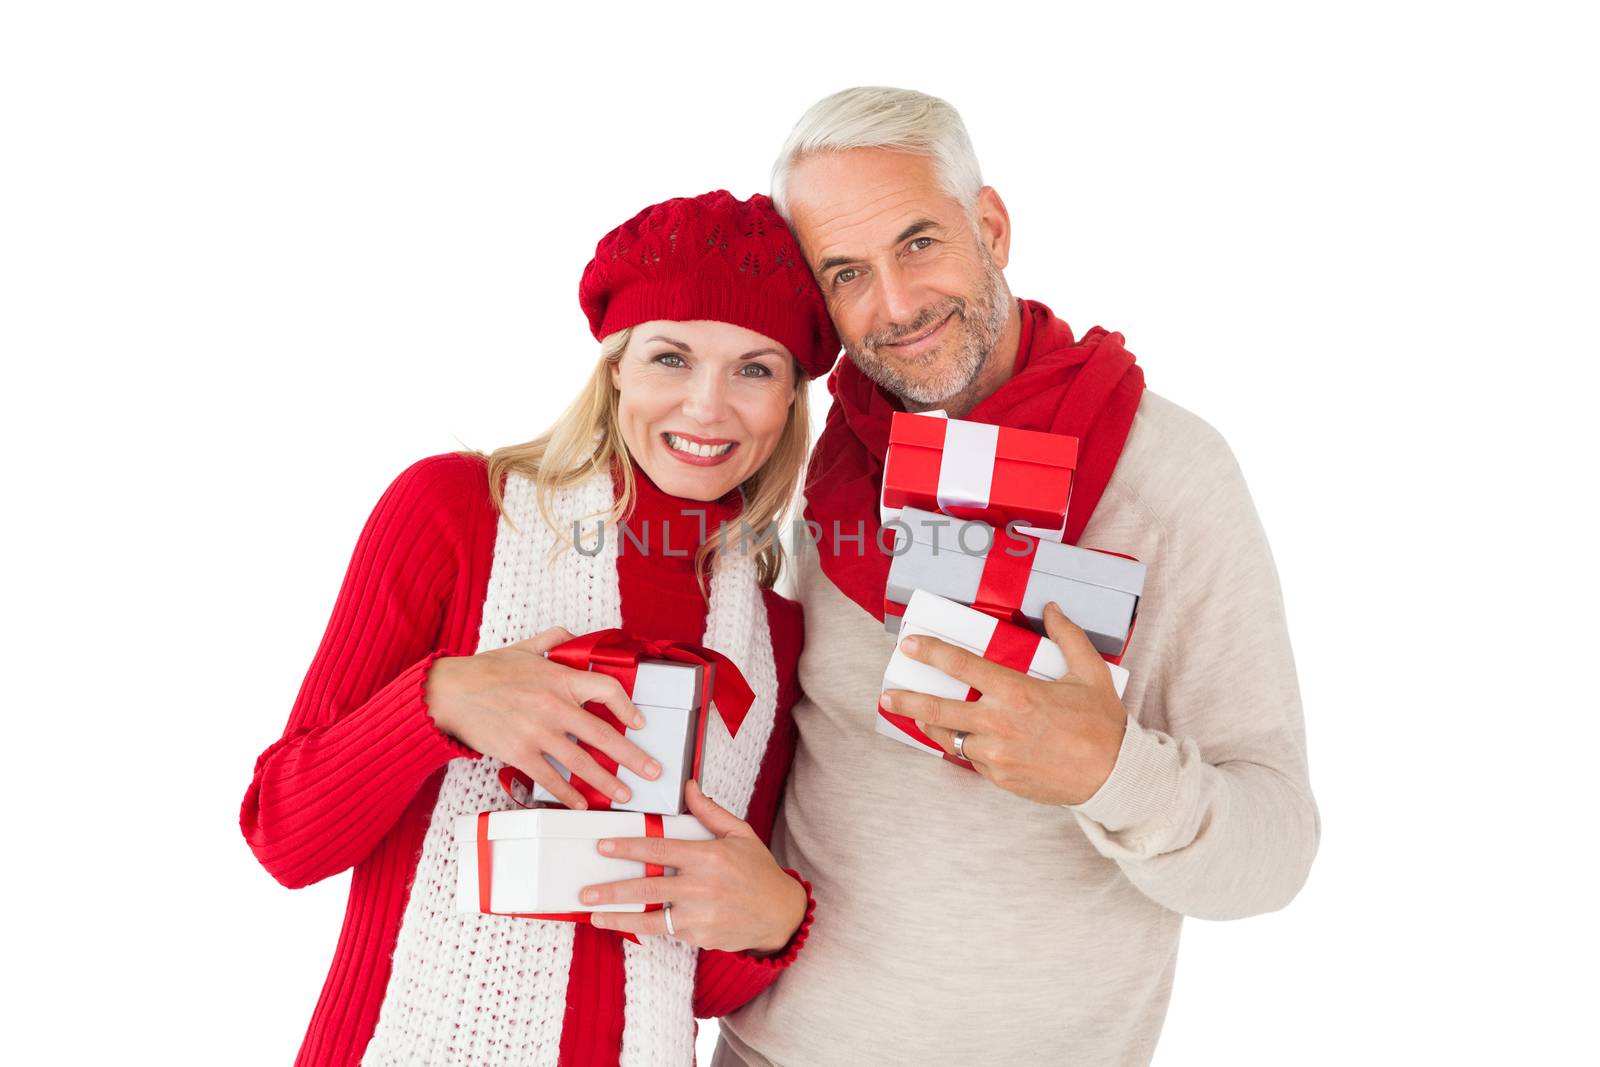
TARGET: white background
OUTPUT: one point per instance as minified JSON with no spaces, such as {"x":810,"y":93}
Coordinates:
{"x":257,"y":259}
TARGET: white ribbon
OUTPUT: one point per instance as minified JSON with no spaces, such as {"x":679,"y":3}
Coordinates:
{"x":966,"y":467}
{"x":966,"y":473}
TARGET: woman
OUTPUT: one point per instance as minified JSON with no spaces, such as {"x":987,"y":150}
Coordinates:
{"x":431,"y":677}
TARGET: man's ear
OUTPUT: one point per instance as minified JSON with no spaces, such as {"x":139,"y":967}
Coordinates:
{"x":994,"y":225}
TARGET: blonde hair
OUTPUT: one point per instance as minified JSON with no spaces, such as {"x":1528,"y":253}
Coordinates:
{"x":587,"y":440}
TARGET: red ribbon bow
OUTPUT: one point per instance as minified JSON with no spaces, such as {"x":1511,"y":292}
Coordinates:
{"x":618,"y":654}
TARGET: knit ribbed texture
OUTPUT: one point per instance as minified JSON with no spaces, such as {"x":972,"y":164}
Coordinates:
{"x":414,"y":590}
{"x":486,"y":989}
{"x":350,"y":782}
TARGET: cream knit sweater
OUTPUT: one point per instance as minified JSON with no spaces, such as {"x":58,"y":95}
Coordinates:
{"x":965,"y":925}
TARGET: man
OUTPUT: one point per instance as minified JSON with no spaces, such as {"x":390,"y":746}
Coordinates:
{"x":1028,"y":913}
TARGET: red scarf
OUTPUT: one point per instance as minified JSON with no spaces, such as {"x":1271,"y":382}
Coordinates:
{"x":1089,"y":389}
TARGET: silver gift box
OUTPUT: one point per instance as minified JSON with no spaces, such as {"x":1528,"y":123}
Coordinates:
{"x":1097,"y":590}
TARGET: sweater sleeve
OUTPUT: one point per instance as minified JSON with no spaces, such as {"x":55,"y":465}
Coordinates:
{"x":725,"y":981}
{"x":1214,"y":817}
{"x":360,"y":741}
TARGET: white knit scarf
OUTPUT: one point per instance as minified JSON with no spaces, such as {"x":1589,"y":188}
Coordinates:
{"x":488,"y":989}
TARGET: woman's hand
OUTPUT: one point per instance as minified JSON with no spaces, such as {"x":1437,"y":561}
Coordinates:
{"x":728,"y":894}
{"x":517,"y":706}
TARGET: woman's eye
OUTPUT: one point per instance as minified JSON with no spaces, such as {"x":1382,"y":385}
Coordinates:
{"x":760,"y":370}
{"x":665,"y":356}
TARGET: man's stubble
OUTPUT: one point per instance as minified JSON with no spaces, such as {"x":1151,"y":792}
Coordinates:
{"x":983,"y":321}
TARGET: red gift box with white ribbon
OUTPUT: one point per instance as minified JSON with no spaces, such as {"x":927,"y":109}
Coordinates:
{"x":974,"y":470}
{"x":676,"y":687}
{"x":999,"y":642}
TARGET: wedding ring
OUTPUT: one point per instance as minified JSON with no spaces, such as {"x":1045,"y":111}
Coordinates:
{"x":666,"y":911}
{"x":959,"y":740}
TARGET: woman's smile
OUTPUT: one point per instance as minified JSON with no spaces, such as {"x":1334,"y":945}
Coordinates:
{"x":710,"y":375}
{"x":698,"y":451}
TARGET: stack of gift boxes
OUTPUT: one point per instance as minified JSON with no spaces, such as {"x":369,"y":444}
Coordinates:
{"x":532,"y":861}
{"x":979,"y":513}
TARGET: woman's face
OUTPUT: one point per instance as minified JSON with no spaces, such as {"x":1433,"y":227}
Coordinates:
{"x":702,"y":403}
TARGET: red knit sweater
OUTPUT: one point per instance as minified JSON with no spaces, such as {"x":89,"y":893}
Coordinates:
{"x":353,"y":780}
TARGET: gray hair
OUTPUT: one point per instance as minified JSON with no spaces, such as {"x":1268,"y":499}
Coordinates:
{"x":876,"y":117}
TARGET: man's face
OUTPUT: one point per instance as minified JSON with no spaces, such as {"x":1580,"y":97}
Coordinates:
{"x":912,"y":280}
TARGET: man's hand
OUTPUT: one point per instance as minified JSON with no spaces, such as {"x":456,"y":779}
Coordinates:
{"x":1051,"y":742}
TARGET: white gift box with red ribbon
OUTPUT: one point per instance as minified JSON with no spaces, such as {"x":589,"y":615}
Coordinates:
{"x":668,"y":696}
{"x":532,"y":863}
{"x":984,"y":635}
{"x":676,"y":687}
{"x":1012,"y":578}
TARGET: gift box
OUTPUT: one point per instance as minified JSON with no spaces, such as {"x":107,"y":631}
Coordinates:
{"x":1000,"y":642}
{"x":1013,"y":578}
{"x":676,"y":687}
{"x":973,"y":470}
{"x":668,"y":696}
{"x":532,"y":863}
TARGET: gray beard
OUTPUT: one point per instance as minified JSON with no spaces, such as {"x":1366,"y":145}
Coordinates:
{"x":983,"y":320}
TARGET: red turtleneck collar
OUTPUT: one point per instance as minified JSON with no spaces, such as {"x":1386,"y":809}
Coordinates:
{"x":664,"y":531}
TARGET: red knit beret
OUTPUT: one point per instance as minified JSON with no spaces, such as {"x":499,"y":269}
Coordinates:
{"x":710,"y":257}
